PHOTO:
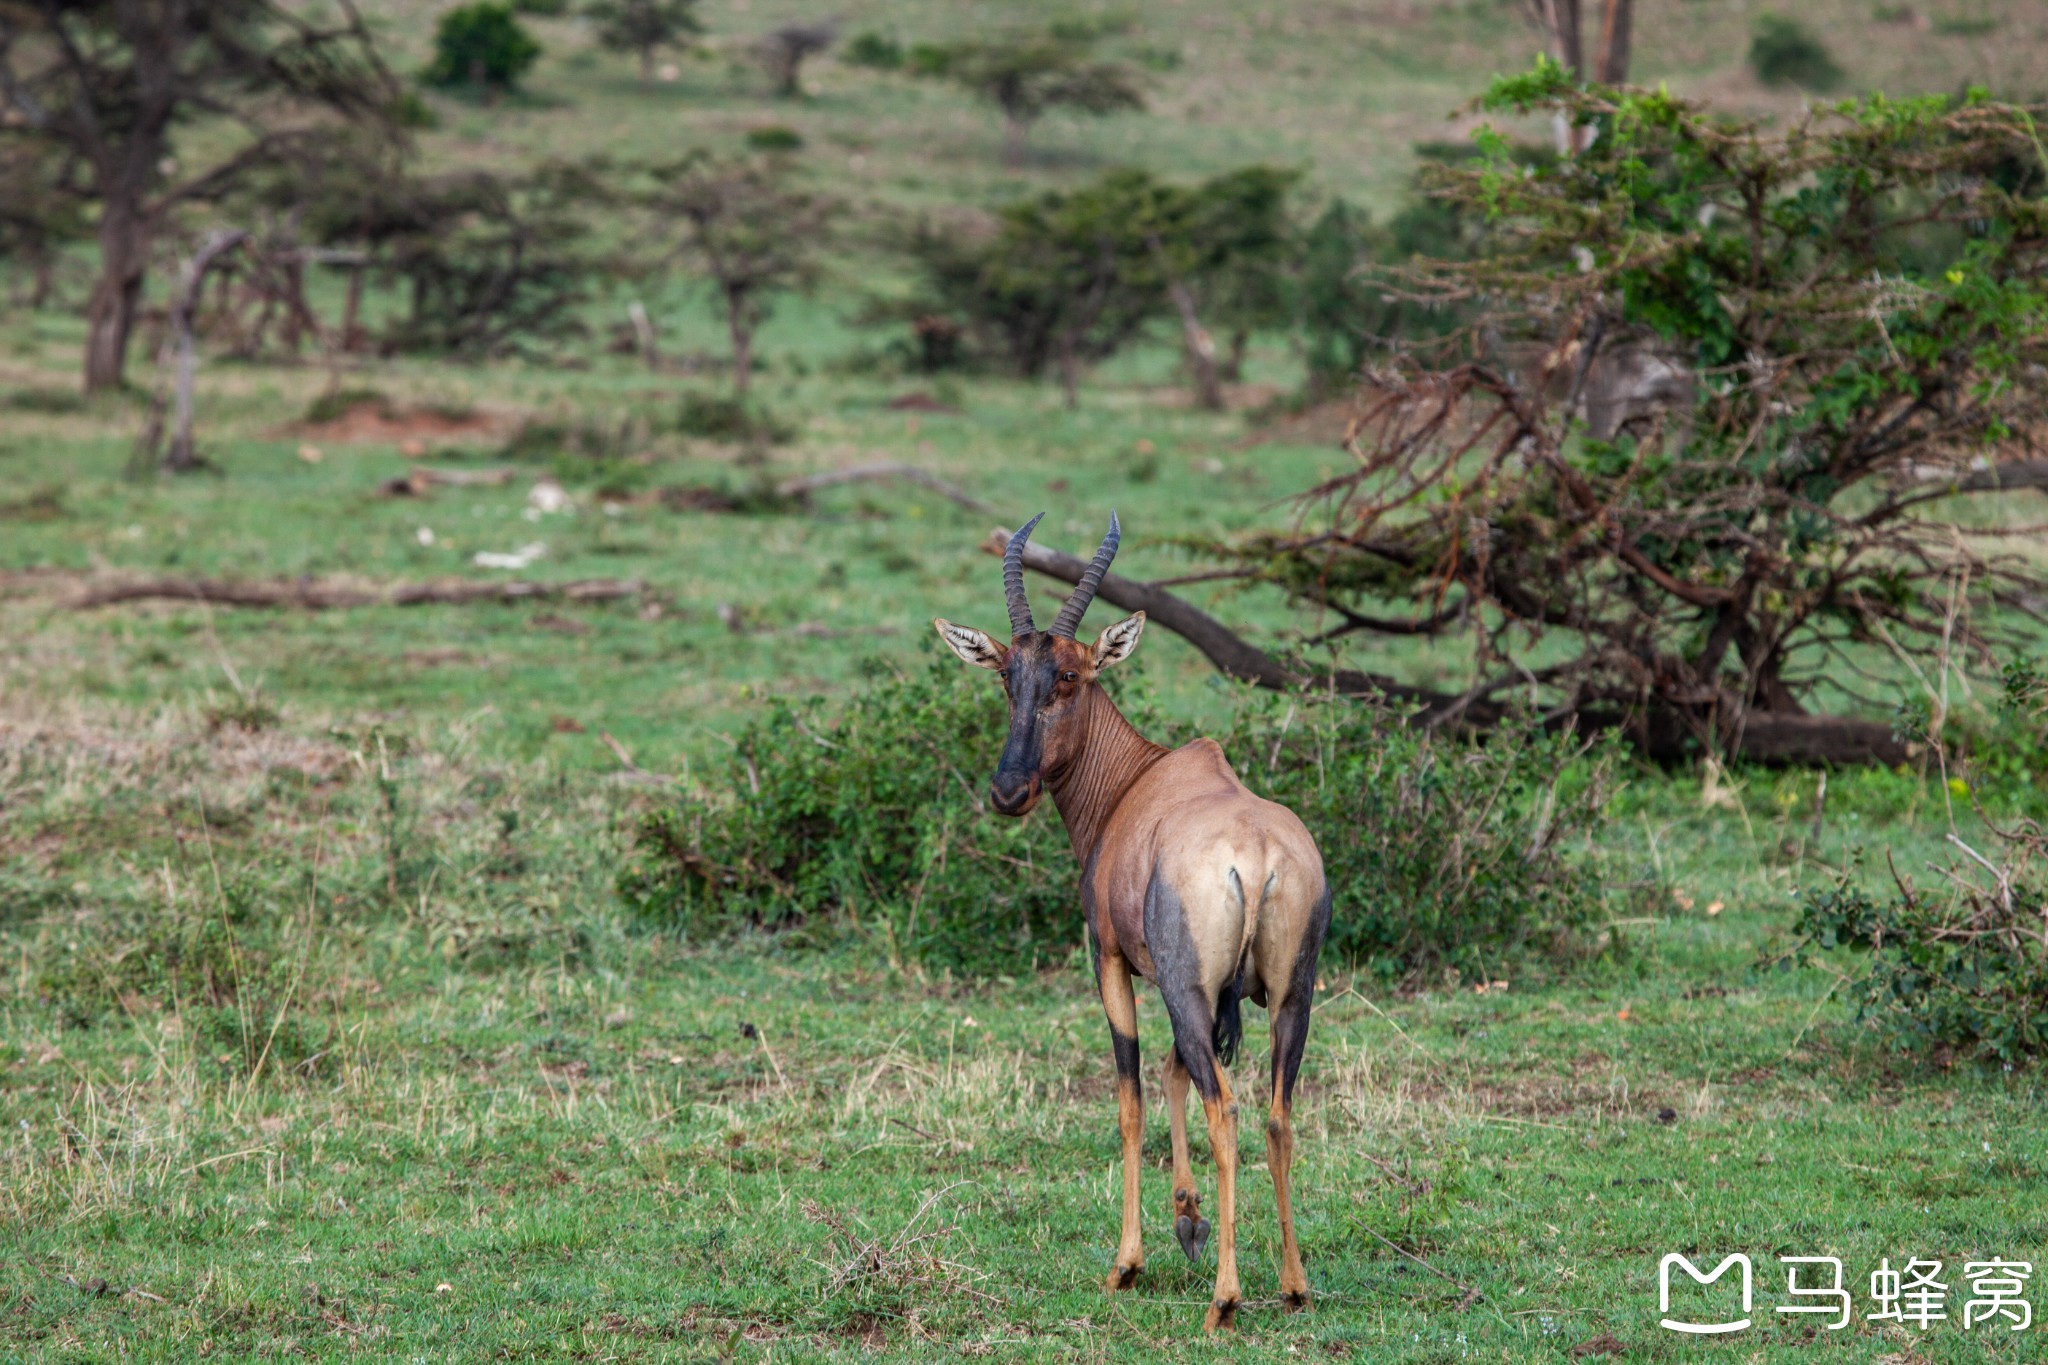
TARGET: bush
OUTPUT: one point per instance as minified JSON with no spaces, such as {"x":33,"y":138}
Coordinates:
{"x":871,"y":49}
{"x":1783,"y":52}
{"x":50,"y":402}
{"x":876,"y":822}
{"x":1961,"y":969}
{"x":336,"y":404}
{"x":1443,"y":857}
{"x":493,"y":265}
{"x":482,"y":45}
{"x":714,"y":417}
{"x":776,"y":137}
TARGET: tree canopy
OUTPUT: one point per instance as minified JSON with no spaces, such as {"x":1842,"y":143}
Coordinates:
{"x":1862,"y":295}
{"x":115,"y":84}
{"x":1026,"y":75}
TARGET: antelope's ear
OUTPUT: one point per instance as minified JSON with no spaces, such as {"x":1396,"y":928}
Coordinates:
{"x":1116,"y":643}
{"x":971,"y":645}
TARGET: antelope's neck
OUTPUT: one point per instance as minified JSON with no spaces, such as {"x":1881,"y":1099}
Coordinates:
{"x":1089,"y":789}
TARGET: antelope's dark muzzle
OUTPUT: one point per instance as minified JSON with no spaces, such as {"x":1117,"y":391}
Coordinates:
{"x":1015,"y":797}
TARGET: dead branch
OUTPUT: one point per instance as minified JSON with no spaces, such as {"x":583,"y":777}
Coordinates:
{"x":1999,"y":478}
{"x":804,"y":486}
{"x":1231,"y":653}
{"x":417,"y":481}
{"x":311,"y":595}
{"x":1765,"y":737}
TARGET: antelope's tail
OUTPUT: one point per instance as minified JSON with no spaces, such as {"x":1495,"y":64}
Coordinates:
{"x":1229,"y":1029}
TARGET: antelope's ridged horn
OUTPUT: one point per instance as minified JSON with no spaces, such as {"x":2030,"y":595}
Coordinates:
{"x":1013,"y":579}
{"x":1069,"y":619}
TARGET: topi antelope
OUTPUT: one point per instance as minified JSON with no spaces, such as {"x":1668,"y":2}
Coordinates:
{"x":1187,"y":879}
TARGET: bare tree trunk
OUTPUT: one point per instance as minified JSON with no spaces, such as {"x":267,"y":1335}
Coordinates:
{"x":1612,"y":68}
{"x":646,"y":66}
{"x":351,"y":310}
{"x":1070,"y":371}
{"x":44,"y":281}
{"x":742,"y":330}
{"x":1015,"y":130}
{"x":183,"y":349}
{"x":643,"y":332}
{"x":110,"y":317}
{"x":1233,"y":358}
{"x":1201,"y":347}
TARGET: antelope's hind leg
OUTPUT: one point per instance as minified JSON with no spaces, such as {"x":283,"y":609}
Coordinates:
{"x":1190,"y":1229}
{"x":1113,"y":978}
{"x":1290,"y":1012}
{"x":1290,"y":1032}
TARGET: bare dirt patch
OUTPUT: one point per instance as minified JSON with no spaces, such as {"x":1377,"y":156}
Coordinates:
{"x":375,"y":421}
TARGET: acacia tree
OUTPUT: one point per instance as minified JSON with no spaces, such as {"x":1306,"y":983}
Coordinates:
{"x":1220,"y":248}
{"x":785,"y":50}
{"x":644,"y":27}
{"x":1863,"y":295}
{"x":41,"y":210}
{"x":1027,"y":75}
{"x":114,"y":83}
{"x":748,"y":231}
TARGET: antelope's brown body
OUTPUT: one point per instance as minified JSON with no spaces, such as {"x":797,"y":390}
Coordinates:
{"x":1189,"y":881}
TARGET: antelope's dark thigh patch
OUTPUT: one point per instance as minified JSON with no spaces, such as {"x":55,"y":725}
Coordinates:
{"x":1177,"y":967}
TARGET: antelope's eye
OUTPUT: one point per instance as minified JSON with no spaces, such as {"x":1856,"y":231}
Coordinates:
{"x":1070,"y":677}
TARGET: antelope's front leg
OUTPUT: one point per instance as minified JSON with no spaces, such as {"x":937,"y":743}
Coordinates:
{"x":1113,"y":978}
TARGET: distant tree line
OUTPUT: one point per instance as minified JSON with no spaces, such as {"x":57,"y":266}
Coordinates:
{"x":95,"y":98}
{"x":1067,"y":279}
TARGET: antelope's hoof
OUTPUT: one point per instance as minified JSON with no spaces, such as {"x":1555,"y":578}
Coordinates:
{"x":1193,"y":1236}
{"x":1122,"y":1277}
{"x":1295,"y":1299}
{"x":1222,"y":1316}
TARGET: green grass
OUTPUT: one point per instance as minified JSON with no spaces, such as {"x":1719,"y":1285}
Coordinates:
{"x":322,"y":1032}
{"x":453,"y":1106}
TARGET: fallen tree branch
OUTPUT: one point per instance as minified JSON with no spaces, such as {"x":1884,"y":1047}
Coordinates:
{"x":808,"y":484}
{"x":462,"y":478}
{"x":416,"y":481}
{"x":311,"y":595}
{"x":1764,"y":736}
{"x":1231,"y":654}
{"x":2001,"y":478}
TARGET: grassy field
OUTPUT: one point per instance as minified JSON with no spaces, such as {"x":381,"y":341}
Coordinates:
{"x":322,"y":1029}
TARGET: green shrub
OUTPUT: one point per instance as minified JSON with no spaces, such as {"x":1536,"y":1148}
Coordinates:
{"x":775,"y":137}
{"x":1783,"y":52}
{"x":1443,"y":857}
{"x":482,"y":45}
{"x":338,"y":403}
{"x":53,"y":402}
{"x":545,"y":9}
{"x":928,"y":59}
{"x":875,"y":822}
{"x":408,"y":110}
{"x":1959,"y":966}
{"x":715,"y":417}
{"x":871,"y":49}
{"x":1957,"y":969}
